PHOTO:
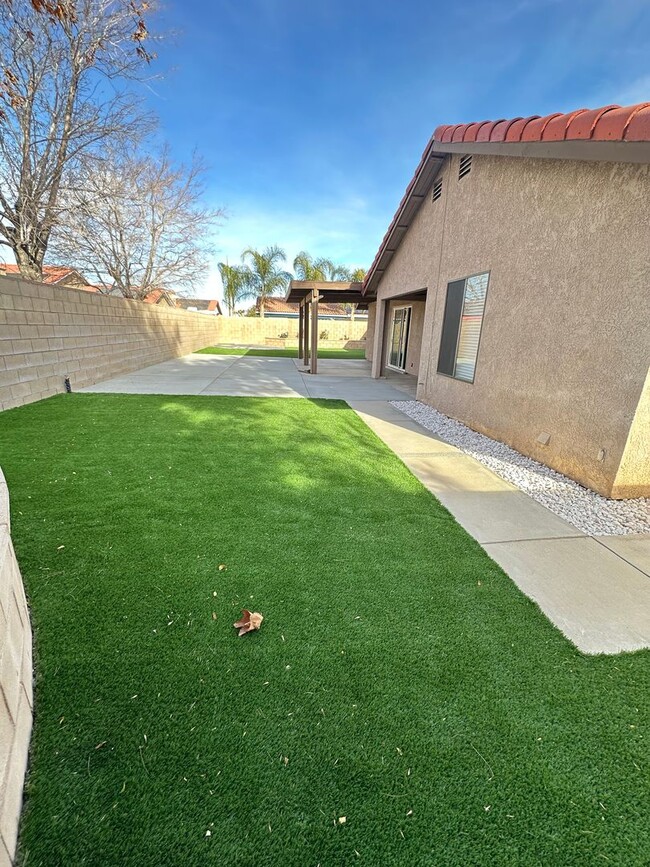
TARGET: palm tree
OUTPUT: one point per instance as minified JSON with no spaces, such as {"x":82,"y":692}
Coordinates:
{"x":334,"y":272}
{"x":264,"y":276}
{"x":323,"y":269}
{"x":307,"y":268}
{"x":235,"y":280}
{"x":355,"y":275}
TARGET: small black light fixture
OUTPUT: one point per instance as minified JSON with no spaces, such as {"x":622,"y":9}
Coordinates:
{"x":66,"y":382}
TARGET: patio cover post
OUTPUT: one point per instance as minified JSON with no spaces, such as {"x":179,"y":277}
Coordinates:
{"x":314,"y":331}
{"x":301,"y":321}
{"x":306,"y":335}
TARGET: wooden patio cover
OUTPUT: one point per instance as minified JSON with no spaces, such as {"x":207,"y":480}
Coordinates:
{"x":308,"y":293}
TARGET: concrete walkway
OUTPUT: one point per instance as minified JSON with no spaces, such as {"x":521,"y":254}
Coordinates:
{"x":595,"y":590}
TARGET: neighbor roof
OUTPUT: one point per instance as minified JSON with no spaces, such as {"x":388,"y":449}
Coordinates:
{"x":614,"y":133}
{"x":209,"y":304}
{"x":159,"y":296}
{"x":55,"y":274}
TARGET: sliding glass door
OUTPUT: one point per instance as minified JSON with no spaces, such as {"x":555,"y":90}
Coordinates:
{"x":399,"y":336}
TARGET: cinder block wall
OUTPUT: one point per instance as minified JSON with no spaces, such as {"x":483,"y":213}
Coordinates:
{"x":50,"y":332}
{"x":15,"y":685}
{"x":254,"y":330}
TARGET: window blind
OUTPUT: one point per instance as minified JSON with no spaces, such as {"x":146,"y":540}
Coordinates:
{"x":461,"y":327}
{"x":470,"y":327}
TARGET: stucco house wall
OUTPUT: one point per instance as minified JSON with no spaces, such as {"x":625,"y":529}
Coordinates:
{"x":370,"y":331}
{"x":565,"y":344}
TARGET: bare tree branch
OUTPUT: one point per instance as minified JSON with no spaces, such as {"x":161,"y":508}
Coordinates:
{"x":137,"y":223}
{"x":59,"y":64}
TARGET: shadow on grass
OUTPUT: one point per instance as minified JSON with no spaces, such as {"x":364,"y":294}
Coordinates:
{"x":400,"y":679}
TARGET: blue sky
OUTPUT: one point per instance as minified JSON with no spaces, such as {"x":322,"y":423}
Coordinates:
{"x":313,"y":115}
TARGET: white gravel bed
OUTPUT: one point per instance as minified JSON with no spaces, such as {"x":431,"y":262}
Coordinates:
{"x":587,"y":511}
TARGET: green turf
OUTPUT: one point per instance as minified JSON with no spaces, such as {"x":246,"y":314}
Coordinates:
{"x":282,"y":353}
{"x":399,"y":679}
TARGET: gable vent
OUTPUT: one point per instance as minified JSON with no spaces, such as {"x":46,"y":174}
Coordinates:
{"x":465,"y":166}
{"x":437,"y":190}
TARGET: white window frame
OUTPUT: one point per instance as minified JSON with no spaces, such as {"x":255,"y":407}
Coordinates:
{"x":393,"y":311}
{"x":455,"y":375}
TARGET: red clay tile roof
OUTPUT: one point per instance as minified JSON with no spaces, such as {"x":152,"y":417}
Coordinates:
{"x":610,"y":123}
{"x":51,"y":273}
{"x":200,"y":303}
{"x":158,"y":296}
{"x":54,"y":274}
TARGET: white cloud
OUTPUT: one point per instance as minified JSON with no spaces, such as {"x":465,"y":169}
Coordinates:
{"x":635,"y":91}
{"x":348,"y":232}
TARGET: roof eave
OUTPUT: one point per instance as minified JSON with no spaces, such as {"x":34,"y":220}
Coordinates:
{"x":416,"y":192}
{"x":586,"y":149}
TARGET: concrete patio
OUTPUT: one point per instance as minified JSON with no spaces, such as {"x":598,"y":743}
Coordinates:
{"x":596,"y":590}
{"x":251,"y":376}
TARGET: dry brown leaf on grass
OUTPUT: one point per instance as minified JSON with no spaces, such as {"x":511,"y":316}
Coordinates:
{"x":248,"y":621}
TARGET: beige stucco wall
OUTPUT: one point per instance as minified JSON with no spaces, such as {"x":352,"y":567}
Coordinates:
{"x":50,"y":332}
{"x":565,"y":347}
{"x":370,"y":333}
{"x":15,"y":685}
{"x":633,"y":476}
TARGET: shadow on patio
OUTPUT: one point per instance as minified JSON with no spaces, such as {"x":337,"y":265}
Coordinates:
{"x":250,"y":376}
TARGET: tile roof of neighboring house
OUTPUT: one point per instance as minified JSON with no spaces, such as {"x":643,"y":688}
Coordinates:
{"x":209,"y":304}
{"x":610,"y":123}
{"x":561,"y":135}
{"x":56,"y":275}
{"x":160,"y":296}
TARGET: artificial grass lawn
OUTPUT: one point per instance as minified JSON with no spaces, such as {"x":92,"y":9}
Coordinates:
{"x":282,"y":353}
{"x":399,"y":679}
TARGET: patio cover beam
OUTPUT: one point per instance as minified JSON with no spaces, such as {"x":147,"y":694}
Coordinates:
{"x":334,"y":292}
{"x":307,"y":294}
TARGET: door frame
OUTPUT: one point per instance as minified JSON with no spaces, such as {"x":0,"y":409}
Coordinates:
{"x":404,"y":340}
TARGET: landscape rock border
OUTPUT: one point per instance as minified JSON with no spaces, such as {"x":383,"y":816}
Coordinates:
{"x":586,"y":510}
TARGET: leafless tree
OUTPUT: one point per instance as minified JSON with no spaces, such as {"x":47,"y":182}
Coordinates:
{"x":137,"y":223}
{"x":61,"y":62}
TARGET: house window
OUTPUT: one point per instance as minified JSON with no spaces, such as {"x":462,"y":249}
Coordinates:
{"x":461,"y":327}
